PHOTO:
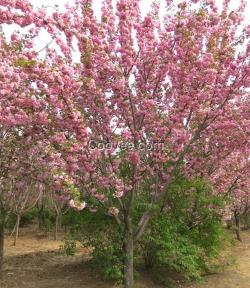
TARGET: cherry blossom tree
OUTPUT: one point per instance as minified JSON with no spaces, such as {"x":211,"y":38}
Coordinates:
{"x":25,"y":198}
{"x":224,"y":159}
{"x":59,"y":203}
{"x":232,"y":181}
{"x":22,"y":122}
{"x":143,"y":82}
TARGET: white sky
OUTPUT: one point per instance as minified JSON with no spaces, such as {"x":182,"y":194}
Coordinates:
{"x":145,"y":8}
{"x":145,"y":4}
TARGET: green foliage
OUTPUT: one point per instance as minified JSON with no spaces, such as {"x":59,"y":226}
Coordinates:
{"x":108,"y":258}
{"x":167,"y":246}
{"x":10,"y":224}
{"x":24,"y":63}
{"x":101,"y":234}
{"x":187,"y":234}
{"x":246,"y":221}
{"x":45,"y":218}
{"x":105,"y":237}
{"x":26,"y":219}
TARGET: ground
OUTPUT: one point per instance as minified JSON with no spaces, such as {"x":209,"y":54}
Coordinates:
{"x":35,"y":262}
{"x":236,"y":276}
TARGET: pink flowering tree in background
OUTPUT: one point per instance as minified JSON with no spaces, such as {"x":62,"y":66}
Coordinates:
{"x":125,"y":119}
{"x":24,"y":197}
{"x":23,"y":120}
{"x":232,"y":181}
{"x":224,"y":159}
{"x":240,"y":201}
{"x":60,"y":200}
{"x":20,"y":180}
{"x":25,"y":151}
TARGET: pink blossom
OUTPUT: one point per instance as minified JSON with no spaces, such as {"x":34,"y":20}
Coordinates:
{"x":77,"y":206}
{"x":134,"y":157}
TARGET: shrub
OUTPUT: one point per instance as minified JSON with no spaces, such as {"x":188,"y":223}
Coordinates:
{"x":46,"y":219}
{"x":100,"y":233}
{"x":184,"y":236}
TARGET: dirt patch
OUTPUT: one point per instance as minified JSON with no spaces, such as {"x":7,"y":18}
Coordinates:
{"x":45,"y":269}
{"x":29,"y":243}
{"x":36,"y":262}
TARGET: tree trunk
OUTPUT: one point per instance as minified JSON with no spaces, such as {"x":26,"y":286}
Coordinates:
{"x":56,"y":227}
{"x":237,"y":223}
{"x":40,"y":217}
{"x":129,"y":241}
{"x":17,"y":228}
{"x":129,"y":261}
{"x":1,"y":246}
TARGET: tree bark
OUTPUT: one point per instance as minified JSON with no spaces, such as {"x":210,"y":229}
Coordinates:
{"x":1,"y":246}
{"x":17,"y":228}
{"x":130,"y":239}
{"x":129,"y":261}
{"x":142,"y":224}
{"x":237,"y":223}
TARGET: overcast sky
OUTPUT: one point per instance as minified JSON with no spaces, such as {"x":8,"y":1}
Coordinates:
{"x":145,"y":8}
{"x":145,"y":4}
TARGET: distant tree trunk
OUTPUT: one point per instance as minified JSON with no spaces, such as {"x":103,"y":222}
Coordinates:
{"x":57,"y":224}
{"x":1,"y":246}
{"x":40,"y":216}
{"x":237,"y":223}
{"x":17,"y":228}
